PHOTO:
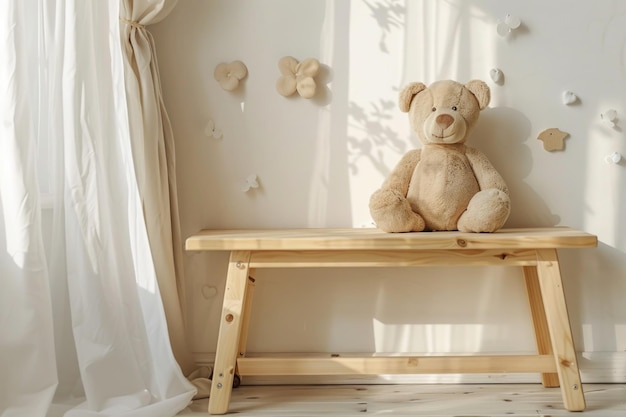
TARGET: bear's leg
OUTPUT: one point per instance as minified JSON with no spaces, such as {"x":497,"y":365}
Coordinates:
{"x":487,"y":211}
{"x":392,"y":212}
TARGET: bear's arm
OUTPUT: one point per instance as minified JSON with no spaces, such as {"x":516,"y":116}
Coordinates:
{"x":484,"y":171}
{"x":400,"y":177}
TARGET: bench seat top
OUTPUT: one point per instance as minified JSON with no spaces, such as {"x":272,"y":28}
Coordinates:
{"x":375,"y":239}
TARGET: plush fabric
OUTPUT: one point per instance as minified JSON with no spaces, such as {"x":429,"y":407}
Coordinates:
{"x":445,"y":185}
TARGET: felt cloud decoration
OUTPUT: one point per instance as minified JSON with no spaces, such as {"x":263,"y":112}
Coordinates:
{"x":297,"y":76}
{"x":229,"y":75}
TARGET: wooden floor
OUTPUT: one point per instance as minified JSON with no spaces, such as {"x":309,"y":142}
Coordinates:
{"x":603,"y":400}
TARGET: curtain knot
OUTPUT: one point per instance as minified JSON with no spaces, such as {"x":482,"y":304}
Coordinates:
{"x":131,"y":23}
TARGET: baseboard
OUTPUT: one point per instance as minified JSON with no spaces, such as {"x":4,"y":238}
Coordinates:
{"x":595,"y":368}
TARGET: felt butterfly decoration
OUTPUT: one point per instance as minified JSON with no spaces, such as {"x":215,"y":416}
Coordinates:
{"x":509,"y":24}
{"x":249,"y":183}
{"x":211,"y":131}
{"x":297,"y":76}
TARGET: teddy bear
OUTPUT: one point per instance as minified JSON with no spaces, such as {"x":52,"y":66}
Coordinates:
{"x":446,"y":184}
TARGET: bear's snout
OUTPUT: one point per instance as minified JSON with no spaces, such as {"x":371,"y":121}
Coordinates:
{"x":444,"y":121}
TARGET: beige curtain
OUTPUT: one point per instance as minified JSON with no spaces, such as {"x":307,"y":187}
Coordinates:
{"x":154,"y":159}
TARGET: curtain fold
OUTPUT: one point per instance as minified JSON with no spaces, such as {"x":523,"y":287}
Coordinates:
{"x":66,"y":132}
{"x":154,"y":160}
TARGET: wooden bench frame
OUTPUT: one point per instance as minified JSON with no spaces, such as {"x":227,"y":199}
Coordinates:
{"x":535,"y":250}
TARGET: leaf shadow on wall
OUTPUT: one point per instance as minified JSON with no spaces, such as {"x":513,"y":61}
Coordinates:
{"x":501,"y":133}
{"x":376,"y":135}
{"x":388,"y":15}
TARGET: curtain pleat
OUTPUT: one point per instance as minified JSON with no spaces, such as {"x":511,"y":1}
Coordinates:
{"x":154,"y":160}
{"x":28,"y":375}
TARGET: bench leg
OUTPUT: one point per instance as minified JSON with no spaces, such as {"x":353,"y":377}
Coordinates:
{"x":542,"y":334}
{"x":247,"y":307}
{"x":230,"y":331}
{"x":245,"y":324}
{"x":557,"y":319}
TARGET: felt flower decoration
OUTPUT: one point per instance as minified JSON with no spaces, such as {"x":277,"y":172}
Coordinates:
{"x":297,"y":76}
{"x":229,"y":75}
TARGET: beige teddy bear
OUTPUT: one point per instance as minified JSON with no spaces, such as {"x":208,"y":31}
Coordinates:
{"x":445,"y":185}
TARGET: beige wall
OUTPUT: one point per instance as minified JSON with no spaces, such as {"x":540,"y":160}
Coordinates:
{"x":319,"y":160}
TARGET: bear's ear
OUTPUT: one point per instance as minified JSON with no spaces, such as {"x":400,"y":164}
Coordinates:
{"x":407,"y":94}
{"x":480,"y":89}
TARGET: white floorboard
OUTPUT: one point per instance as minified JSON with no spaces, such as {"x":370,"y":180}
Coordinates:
{"x":603,"y":400}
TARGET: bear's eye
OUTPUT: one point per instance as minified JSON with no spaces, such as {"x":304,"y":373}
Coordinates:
{"x":434,"y":108}
{"x":454,"y":108}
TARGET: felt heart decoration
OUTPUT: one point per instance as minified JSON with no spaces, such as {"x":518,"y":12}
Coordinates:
{"x":208,"y":292}
{"x":496,"y":75}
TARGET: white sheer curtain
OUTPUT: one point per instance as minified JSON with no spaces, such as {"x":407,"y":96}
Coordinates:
{"x":87,"y":321}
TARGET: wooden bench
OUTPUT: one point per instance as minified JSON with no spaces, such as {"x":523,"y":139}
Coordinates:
{"x":535,"y":250}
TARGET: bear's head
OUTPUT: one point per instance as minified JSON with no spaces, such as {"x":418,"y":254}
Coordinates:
{"x":446,"y":111}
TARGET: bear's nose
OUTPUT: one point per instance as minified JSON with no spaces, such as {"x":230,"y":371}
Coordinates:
{"x":444,"y":120}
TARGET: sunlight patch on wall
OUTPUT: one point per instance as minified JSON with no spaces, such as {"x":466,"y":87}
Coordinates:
{"x":393,"y":43}
{"x":319,"y":189}
{"x":376,"y":130}
{"x":605,"y":188}
{"x":587,"y":333}
{"x":448,"y":40}
{"x":430,"y":338}
{"x":589,"y":337}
